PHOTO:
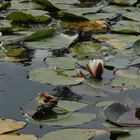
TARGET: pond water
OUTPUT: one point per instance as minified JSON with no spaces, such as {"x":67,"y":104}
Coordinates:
{"x":45,"y":46}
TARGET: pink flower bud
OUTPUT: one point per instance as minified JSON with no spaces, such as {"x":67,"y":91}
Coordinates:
{"x":96,"y":68}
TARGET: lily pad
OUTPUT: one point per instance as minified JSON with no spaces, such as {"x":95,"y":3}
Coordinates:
{"x":86,"y":49}
{"x":124,"y":2}
{"x":4,"y":24}
{"x":40,"y":35}
{"x":57,"y":4}
{"x":125,"y":83}
{"x":22,"y":5}
{"x":117,"y":63}
{"x":118,"y":41}
{"x":136,"y":47}
{"x":126,"y":27}
{"x":58,"y":41}
{"x":126,"y":79}
{"x":17,"y":136}
{"x":132,"y":16}
{"x":20,"y":17}
{"x":71,"y":105}
{"x":75,"y":134}
{"x":69,"y":119}
{"x":121,"y":115}
{"x":99,"y":16}
{"x":133,"y":135}
{"x":9,"y":125}
{"x":61,"y":62}
{"x":46,"y":76}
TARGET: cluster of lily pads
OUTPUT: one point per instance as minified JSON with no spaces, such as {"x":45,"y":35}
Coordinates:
{"x":94,"y":48}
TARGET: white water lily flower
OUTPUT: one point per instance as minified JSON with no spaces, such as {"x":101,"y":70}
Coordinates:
{"x":96,"y":68}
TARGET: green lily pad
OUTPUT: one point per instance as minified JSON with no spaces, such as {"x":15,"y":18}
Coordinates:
{"x":20,"y":17}
{"x":77,"y":13}
{"x":68,"y":134}
{"x":75,"y":134}
{"x":71,"y":106}
{"x":40,"y":35}
{"x":58,"y":41}
{"x":133,"y":135}
{"x":117,"y":63}
{"x":119,"y":9}
{"x":135,"y":61}
{"x":56,"y":5}
{"x":17,"y":137}
{"x":136,"y":47}
{"x":125,"y":83}
{"x":5,"y":24}
{"x":69,"y":119}
{"x":46,"y":76}
{"x":9,"y":125}
{"x":86,"y":49}
{"x":4,"y":6}
{"x":132,"y":16}
{"x":115,"y":129}
{"x":99,"y":16}
{"x":126,"y":80}
{"x":22,"y":5}
{"x":104,"y":104}
{"x":118,"y":41}
{"x":124,"y":2}
{"x":126,"y":27}
{"x":61,"y":62}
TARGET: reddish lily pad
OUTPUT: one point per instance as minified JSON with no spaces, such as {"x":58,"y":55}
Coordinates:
{"x":121,"y":115}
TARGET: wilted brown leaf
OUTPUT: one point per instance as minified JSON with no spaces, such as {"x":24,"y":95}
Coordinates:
{"x":99,"y":25}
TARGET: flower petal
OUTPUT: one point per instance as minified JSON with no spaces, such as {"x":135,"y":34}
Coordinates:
{"x":99,"y":70}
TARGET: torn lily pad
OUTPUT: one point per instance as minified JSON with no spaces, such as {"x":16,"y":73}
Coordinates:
{"x":46,"y":76}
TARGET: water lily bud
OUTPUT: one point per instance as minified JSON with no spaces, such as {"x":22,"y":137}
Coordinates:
{"x":96,"y":68}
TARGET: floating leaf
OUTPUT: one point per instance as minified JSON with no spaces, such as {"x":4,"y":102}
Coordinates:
{"x":71,"y":105}
{"x":8,"y":125}
{"x":117,"y":63}
{"x":118,"y":41}
{"x":43,"y":75}
{"x":126,"y":79}
{"x":75,"y":134}
{"x":57,"y":5}
{"x":127,"y":27}
{"x":86,"y":49}
{"x":4,"y":24}
{"x":68,"y":119}
{"x":56,"y":42}
{"x":20,"y":17}
{"x":61,"y":62}
{"x":99,"y":16}
{"x":133,"y":135}
{"x":136,"y":46}
{"x":124,"y":2}
{"x":132,"y":16}
{"x":40,"y":35}
{"x":121,"y":115}
{"x":99,"y":25}
{"x":17,"y":137}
